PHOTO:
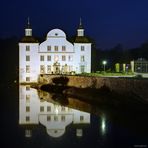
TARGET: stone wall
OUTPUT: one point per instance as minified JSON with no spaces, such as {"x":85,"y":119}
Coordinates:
{"x":138,"y":87}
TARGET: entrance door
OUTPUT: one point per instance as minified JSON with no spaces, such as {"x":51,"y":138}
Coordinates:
{"x":56,"y":68}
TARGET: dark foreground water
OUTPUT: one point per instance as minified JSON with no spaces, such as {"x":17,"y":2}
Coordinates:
{"x":31,"y":118}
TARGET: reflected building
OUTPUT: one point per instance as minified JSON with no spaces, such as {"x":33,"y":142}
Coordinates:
{"x":54,"y":117}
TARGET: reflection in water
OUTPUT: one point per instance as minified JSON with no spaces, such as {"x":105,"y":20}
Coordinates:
{"x":103,"y":125}
{"x":70,"y":118}
{"x":35,"y":110}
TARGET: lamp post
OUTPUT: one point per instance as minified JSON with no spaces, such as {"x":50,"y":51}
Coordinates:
{"x":104,"y":63}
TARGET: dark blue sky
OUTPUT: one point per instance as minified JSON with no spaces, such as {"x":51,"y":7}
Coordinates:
{"x":109,"y":22}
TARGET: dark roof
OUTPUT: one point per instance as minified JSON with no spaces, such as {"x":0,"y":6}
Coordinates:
{"x":29,"y":39}
{"x":82,"y":39}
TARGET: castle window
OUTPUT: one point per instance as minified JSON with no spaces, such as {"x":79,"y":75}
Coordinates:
{"x":48,"y":68}
{"x":81,"y":118}
{"x":63,"y":58}
{"x":27,"y":118}
{"x":82,"y":58}
{"x":28,"y":79}
{"x":28,"y":98}
{"x":41,"y":58}
{"x":42,"y":69}
{"x":48,"y":58}
{"x":27,"y":48}
{"x":63,"y":48}
{"x":55,"y":118}
{"x":27,"y":108}
{"x":41,"y":108}
{"x":82,"y":68}
{"x":63,"y":109}
{"x":56,"y":58}
{"x":48,"y":48}
{"x":82,"y":48}
{"x":48,"y":118}
{"x":27,"y":87}
{"x":70,"y":58}
{"x":27,"y":69}
{"x":55,"y":48}
{"x":63,"y":118}
{"x":48,"y":108}
{"x":27,"y":58}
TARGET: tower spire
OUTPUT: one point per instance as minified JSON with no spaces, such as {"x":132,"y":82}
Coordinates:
{"x":80,"y":25}
{"x":28,"y":30}
{"x":28,"y":22}
{"x":80,"y":30}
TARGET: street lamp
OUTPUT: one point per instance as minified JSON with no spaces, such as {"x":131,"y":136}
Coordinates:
{"x":104,"y":63}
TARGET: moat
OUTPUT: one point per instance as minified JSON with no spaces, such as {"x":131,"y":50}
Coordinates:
{"x":40,"y":118}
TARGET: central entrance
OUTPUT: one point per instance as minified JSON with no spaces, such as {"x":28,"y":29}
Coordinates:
{"x":56,"y":68}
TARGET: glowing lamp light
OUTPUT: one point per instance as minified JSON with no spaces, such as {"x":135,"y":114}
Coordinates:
{"x":104,"y":63}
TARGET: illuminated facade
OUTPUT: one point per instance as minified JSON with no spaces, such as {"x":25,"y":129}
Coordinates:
{"x":56,"y":55}
{"x":55,"y":118}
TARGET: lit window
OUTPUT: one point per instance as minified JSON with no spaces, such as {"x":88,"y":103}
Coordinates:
{"x":56,"y":58}
{"x":70,"y":58}
{"x":48,"y":58}
{"x":63,"y":118}
{"x":27,"y":58}
{"x":82,"y":48}
{"x":48,"y":118}
{"x":56,"y":48}
{"x":41,"y":58}
{"x":42,"y":69}
{"x":48,"y":48}
{"x":41,"y":108}
{"x":27,"y":98}
{"x":27,"y":69}
{"x":28,"y":79}
{"x":82,"y":68}
{"x":63,"y":48}
{"x":27,"y":87}
{"x":81,"y":118}
{"x":27,"y":48}
{"x":48,"y":108}
{"x":27,"y":108}
{"x":27,"y":118}
{"x":63,"y":58}
{"x":63,"y":108}
{"x":55,"y":118}
{"x":48,"y":68}
{"x":82,"y":58}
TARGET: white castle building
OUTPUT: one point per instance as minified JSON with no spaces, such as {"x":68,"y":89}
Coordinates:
{"x":56,"y":55}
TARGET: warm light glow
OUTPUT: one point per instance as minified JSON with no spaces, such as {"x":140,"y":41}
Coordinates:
{"x":56,"y":110}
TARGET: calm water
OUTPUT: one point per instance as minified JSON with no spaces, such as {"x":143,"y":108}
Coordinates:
{"x":32,"y":118}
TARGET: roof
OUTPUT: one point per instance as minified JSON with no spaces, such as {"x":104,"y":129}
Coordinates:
{"x":82,"y":39}
{"x":29,"y":39}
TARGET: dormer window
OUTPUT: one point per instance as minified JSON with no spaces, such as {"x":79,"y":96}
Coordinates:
{"x":56,"y":34}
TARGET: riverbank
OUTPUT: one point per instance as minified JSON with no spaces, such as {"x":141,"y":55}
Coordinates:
{"x":100,"y":90}
{"x":135,"y":86}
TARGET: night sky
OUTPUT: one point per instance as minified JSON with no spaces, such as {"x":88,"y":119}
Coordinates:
{"x":108,"y":22}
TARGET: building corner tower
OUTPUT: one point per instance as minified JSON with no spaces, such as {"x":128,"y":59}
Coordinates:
{"x":28,"y":49}
{"x":82,"y":46}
